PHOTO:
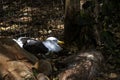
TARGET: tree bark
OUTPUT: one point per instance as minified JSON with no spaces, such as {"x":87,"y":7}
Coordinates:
{"x":71,"y":22}
{"x":17,"y":64}
{"x":83,"y":66}
{"x":80,"y":24}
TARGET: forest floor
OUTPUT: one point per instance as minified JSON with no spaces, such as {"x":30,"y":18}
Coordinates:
{"x":54,"y":27}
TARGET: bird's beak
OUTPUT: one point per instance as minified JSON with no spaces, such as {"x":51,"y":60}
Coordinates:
{"x":60,"y":42}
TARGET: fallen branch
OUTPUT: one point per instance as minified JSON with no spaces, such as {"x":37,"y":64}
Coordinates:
{"x":17,"y":64}
{"x":84,"y":66}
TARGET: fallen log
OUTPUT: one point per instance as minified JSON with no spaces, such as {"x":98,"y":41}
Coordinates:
{"x":84,"y":66}
{"x":17,"y":64}
{"x":8,"y":45}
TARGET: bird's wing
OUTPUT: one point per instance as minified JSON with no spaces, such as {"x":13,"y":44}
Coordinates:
{"x":19,"y":43}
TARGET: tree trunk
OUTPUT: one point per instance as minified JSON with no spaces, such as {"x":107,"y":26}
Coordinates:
{"x":71,"y":22}
{"x":81,"y":28}
{"x":80,"y":24}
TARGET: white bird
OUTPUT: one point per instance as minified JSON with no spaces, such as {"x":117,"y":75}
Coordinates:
{"x":51,"y":44}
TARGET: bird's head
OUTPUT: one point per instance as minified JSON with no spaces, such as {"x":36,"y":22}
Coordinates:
{"x":55,"y":40}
